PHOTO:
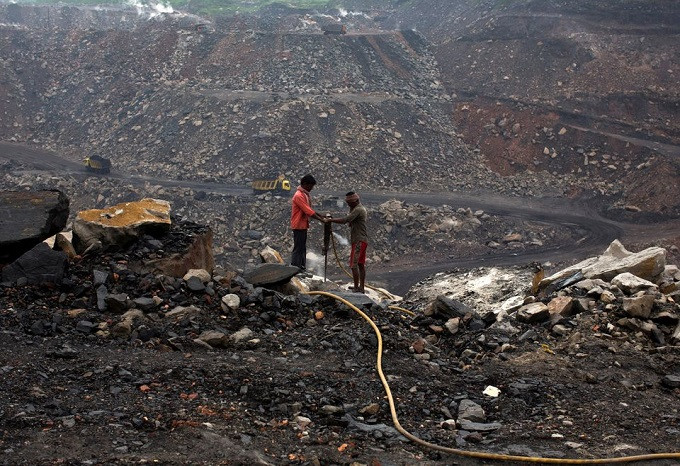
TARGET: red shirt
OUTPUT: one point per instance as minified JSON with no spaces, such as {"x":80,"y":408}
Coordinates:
{"x":302,"y":210}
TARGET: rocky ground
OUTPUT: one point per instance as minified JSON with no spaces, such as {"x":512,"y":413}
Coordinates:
{"x":114,"y":363}
{"x":244,"y":225}
{"x":118,"y":363}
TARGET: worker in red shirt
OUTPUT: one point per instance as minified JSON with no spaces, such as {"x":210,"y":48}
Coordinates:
{"x":299,"y":220}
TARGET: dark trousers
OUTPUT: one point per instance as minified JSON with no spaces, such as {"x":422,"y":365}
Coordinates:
{"x":299,"y":258}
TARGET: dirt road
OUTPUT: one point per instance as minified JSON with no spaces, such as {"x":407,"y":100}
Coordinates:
{"x":593,"y":232}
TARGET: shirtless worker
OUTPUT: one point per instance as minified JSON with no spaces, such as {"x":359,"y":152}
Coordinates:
{"x":299,"y":220}
{"x":358,"y":237}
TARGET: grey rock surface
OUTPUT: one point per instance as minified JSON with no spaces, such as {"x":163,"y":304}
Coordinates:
{"x":37,"y":266}
{"x":29,"y":217}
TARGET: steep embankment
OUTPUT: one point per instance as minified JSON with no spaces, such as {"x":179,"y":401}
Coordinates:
{"x":174,"y":98}
{"x":529,"y":77}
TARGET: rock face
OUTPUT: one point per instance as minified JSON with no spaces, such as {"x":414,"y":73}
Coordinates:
{"x":121,"y":224}
{"x":186,"y":252}
{"x":479,"y":65}
{"x":38,"y":266}
{"x":647,"y":264}
{"x":29,"y":217}
{"x":327,"y":101}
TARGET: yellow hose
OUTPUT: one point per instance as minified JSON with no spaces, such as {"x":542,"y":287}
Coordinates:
{"x":476,"y":454}
{"x":397,"y":308}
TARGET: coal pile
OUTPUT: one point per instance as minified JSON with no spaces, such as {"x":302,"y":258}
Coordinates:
{"x":144,"y":364}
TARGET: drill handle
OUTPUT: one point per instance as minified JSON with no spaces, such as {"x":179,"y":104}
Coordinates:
{"x":327,"y":232}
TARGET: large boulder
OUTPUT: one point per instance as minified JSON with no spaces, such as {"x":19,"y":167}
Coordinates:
{"x":647,"y":264}
{"x":29,"y":217}
{"x":40,"y":265}
{"x":118,"y":226}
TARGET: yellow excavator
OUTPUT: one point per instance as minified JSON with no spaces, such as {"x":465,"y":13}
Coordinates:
{"x":278,"y":185}
{"x":97,"y":164}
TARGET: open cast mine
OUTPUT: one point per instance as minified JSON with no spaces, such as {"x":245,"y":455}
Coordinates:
{"x":339,"y":232}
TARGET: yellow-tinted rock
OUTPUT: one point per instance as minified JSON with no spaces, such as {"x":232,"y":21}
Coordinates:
{"x":271,"y":256}
{"x":121,"y":224}
{"x":129,"y":213}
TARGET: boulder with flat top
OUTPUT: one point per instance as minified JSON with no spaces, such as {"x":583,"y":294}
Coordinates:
{"x":117,"y":226}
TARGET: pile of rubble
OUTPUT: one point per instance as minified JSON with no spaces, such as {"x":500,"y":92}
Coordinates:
{"x":627,"y":291}
{"x":619,"y":296}
{"x":131,"y":268}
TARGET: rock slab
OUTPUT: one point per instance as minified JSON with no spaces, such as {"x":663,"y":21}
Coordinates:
{"x":647,"y":264}
{"x":38,"y":266}
{"x":29,"y":217}
{"x":270,"y":274}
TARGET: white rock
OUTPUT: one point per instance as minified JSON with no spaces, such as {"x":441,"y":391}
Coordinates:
{"x":270,"y":255}
{"x":492,"y":391}
{"x":244,"y":334}
{"x":645,"y":264}
{"x":201,"y":274}
{"x":630,"y":284}
{"x":452,"y":325}
{"x":231,"y":301}
{"x":512,"y":304}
